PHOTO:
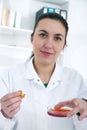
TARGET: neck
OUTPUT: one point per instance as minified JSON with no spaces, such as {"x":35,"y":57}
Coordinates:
{"x":44,"y":71}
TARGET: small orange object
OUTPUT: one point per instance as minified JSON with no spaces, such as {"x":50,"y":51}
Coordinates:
{"x":62,"y":109}
{"x":22,"y":95}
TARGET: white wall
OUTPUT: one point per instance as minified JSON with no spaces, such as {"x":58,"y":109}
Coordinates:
{"x":76,"y":52}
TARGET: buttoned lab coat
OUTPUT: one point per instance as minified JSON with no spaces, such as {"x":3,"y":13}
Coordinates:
{"x":64,"y":84}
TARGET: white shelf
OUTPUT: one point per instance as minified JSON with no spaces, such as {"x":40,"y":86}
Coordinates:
{"x":15,"y":36}
{"x":12,"y":55}
{"x":14,"y":31}
{"x":60,"y":2}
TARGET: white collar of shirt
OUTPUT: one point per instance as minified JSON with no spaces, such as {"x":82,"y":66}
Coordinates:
{"x":31,"y":74}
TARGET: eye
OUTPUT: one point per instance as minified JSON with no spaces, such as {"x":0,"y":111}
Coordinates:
{"x":43,"y":35}
{"x":57,"y":38}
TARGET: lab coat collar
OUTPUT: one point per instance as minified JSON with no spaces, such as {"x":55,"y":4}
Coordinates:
{"x":30,"y":72}
{"x":58,"y":73}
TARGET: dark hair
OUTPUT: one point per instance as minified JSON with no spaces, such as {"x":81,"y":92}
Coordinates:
{"x":54,"y":16}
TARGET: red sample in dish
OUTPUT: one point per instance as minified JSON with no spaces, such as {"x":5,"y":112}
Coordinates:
{"x":58,"y":112}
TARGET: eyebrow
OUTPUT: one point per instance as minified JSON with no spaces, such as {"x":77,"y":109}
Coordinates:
{"x":43,"y":31}
{"x":59,"y":34}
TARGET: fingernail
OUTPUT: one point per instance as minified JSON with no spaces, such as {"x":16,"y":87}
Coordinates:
{"x":19,"y":92}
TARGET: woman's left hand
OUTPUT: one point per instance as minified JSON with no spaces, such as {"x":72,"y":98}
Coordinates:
{"x":79,"y":106}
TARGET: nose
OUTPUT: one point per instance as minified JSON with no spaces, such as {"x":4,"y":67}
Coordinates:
{"x":49,"y":42}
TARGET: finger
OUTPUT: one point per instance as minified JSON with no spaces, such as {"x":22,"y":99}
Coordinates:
{"x":71,"y":113}
{"x":13,"y":112}
{"x":12,"y":101}
{"x":13,"y":106}
{"x":82,"y":115}
{"x":10,"y":95}
{"x":11,"y":109}
{"x":74,"y":111}
{"x":65,"y":103}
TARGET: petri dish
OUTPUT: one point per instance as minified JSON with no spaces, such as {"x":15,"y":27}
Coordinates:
{"x":59,"y":112}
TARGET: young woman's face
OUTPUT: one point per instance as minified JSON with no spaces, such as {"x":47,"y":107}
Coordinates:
{"x":48,"y":41}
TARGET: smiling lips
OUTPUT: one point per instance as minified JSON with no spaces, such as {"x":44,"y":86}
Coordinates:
{"x":45,"y":53}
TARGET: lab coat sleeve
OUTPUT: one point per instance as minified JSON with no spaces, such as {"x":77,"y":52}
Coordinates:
{"x":83,"y":88}
{"x":5,"y":83}
{"x":7,"y":124}
{"x":80,"y":125}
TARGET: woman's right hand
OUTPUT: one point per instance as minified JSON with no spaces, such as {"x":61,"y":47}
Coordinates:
{"x":10,"y":104}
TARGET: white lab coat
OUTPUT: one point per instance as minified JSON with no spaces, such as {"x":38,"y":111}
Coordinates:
{"x":64,"y":84}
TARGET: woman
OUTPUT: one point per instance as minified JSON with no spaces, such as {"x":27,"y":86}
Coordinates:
{"x":44,"y":81}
